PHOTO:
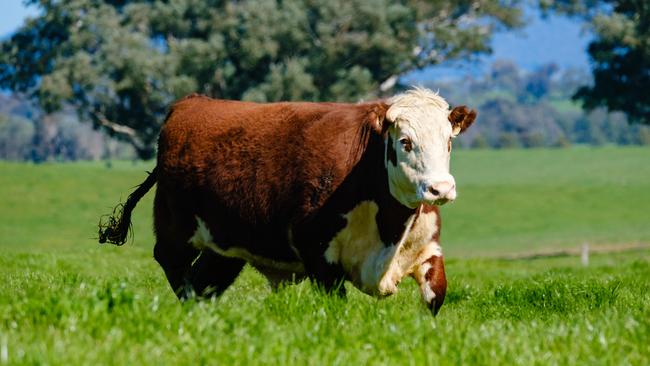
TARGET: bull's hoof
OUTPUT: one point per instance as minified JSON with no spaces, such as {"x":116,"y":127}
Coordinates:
{"x":436,"y":304}
{"x":185,"y":291}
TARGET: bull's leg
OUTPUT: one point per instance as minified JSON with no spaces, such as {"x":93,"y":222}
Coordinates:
{"x":175,"y":261}
{"x":211,"y":273}
{"x":173,"y":227}
{"x":333,"y":286}
{"x":430,"y":276}
{"x":328,"y":276}
{"x":279,"y":277}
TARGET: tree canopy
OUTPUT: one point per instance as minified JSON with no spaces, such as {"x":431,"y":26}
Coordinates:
{"x":620,"y":54}
{"x":121,"y":63}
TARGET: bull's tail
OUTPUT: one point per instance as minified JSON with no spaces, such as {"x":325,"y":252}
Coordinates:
{"x":114,"y":228}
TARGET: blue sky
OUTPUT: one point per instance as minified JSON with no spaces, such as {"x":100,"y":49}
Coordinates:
{"x":12,"y":14}
{"x":554,"y":39}
{"x":542,"y":41}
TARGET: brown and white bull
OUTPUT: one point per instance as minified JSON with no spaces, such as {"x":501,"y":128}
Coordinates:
{"x":329,"y":191}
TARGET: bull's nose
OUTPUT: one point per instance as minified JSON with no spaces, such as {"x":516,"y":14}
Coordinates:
{"x":443,"y":190}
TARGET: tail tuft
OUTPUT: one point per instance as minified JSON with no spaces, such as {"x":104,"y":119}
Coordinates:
{"x":115,"y":228}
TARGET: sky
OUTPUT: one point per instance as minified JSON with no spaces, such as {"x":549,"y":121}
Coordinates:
{"x":12,"y":14}
{"x":556,"y":39}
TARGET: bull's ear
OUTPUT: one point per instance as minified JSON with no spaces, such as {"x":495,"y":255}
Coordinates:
{"x":461,"y":118}
{"x":376,"y":117}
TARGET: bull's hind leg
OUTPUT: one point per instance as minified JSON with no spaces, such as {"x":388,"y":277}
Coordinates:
{"x":190,"y":271}
{"x":172,"y":250}
{"x":196,"y":273}
{"x":175,"y":262}
{"x":211,"y":273}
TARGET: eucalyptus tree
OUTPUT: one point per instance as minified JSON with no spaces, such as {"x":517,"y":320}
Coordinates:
{"x":120,"y":63}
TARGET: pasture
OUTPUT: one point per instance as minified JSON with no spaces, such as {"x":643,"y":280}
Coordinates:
{"x":64,"y":299}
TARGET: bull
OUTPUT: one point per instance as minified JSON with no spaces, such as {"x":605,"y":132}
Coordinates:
{"x":328,"y":191}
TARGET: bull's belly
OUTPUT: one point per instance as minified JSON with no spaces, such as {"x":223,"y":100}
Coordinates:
{"x":376,"y":267}
{"x":203,"y":239}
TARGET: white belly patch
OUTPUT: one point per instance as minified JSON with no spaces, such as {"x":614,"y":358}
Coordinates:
{"x":202,"y":239}
{"x":374,"y":267}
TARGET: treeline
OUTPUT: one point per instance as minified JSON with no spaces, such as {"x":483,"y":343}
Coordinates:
{"x":28,"y":135}
{"x":517,"y":109}
{"x":535,"y":109}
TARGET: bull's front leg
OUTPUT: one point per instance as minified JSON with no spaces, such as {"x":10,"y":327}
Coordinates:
{"x":430,"y":276}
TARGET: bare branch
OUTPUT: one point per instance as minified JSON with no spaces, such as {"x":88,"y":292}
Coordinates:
{"x":127,"y":131}
{"x":117,"y":128}
{"x":389,"y":83}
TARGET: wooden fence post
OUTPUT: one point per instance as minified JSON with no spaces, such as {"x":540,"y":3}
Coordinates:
{"x":584,"y":254}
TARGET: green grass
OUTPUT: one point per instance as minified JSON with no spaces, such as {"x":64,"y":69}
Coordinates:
{"x":66,"y":300}
{"x":527,"y":200}
{"x":57,"y":206}
{"x":110,"y":308}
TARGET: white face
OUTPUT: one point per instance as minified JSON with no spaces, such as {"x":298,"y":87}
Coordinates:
{"x":418,"y":149}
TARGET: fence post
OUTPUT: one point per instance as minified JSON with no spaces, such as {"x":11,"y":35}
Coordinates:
{"x":584,"y":254}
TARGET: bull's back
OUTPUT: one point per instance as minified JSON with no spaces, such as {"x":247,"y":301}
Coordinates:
{"x":255,"y":161}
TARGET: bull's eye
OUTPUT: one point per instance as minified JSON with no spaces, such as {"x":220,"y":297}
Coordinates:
{"x":406,"y":143}
{"x":449,"y":145}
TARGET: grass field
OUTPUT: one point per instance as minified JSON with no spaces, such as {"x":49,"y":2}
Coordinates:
{"x":66,"y":300}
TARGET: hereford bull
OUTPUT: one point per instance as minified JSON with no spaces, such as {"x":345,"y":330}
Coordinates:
{"x":329,"y":191}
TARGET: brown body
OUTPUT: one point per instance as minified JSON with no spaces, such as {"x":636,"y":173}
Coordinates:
{"x":273,"y":181}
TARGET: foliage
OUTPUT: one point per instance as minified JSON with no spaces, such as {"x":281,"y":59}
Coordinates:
{"x":620,"y":54}
{"x":121,"y":63}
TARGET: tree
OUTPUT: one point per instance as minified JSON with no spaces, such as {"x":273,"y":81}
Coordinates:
{"x":538,"y":84}
{"x":16,"y":134}
{"x":507,"y":140}
{"x":121,"y":63}
{"x":505,"y":76}
{"x":562,"y":141}
{"x":480,"y":142}
{"x":643,"y":135}
{"x":533,"y":139}
{"x":620,"y":54}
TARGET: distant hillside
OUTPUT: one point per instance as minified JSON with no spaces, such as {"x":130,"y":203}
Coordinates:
{"x":534,"y":109}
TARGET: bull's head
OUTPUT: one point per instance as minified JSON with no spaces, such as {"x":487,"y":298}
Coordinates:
{"x":418,"y":146}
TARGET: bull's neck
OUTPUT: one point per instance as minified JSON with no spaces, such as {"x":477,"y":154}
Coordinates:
{"x":392,"y":215}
